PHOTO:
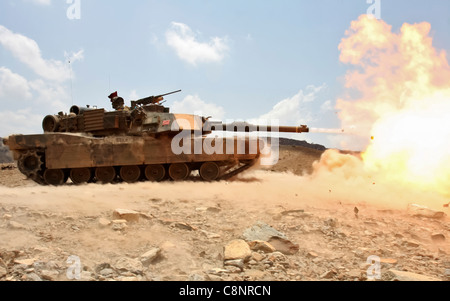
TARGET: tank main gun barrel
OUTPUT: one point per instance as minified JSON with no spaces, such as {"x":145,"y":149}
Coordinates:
{"x":151,"y":100}
{"x":247,"y":128}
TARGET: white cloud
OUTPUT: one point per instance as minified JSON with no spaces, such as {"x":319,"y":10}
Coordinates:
{"x":291,"y":110}
{"x":40,"y":2}
{"x":22,"y":121}
{"x":28,"y":52}
{"x":327,"y":106}
{"x":192,"y":104}
{"x":13,"y":87}
{"x":47,"y":94}
{"x":133,"y":95}
{"x":185,"y":43}
{"x":72,"y":57}
{"x":53,"y":96}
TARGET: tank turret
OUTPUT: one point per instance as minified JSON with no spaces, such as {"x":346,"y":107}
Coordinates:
{"x":142,"y":142}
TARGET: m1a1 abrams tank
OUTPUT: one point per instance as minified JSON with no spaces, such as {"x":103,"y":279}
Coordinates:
{"x":141,"y":142}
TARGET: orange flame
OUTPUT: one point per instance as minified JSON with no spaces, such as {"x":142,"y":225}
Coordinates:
{"x":398,"y":101}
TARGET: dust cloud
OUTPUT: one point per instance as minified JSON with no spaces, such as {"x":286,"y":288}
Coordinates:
{"x":337,"y":178}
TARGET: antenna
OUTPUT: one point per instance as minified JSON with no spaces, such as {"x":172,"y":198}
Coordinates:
{"x":71,"y":81}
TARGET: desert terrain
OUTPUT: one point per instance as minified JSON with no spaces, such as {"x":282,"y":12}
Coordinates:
{"x":282,"y":223}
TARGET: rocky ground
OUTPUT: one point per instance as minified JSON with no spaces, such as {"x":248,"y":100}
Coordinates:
{"x":263,"y":225}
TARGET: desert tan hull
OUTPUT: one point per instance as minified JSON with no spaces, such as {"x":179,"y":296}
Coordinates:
{"x":75,"y":151}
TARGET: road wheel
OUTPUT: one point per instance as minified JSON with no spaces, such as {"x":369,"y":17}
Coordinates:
{"x":209,"y":171}
{"x":105,"y":174}
{"x":155,"y":173}
{"x":130,"y":174}
{"x":54,"y":177}
{"x":80,"y":175}
{"x":179,"y":171}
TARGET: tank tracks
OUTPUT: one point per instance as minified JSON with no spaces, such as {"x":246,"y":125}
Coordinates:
{"x":31,"y":163}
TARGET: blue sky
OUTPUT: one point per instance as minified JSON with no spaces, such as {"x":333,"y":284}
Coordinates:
{"x":234,"y":60}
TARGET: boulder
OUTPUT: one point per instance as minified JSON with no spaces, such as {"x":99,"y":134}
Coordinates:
{"x":237,"y":249}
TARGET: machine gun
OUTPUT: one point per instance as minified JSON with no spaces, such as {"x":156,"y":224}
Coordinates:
{"x":150,"y":100}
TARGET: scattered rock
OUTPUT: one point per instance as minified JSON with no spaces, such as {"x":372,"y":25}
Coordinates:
{"x":130,"y":279}
{"x":447,"y":274}
{"x":292,"y":211}
{"x":119,"y":224}
{"x":184,"y":226}
{"x":412,"y":244}
{"x":128,"y":215}
{"x":2,"y":263}
{"x":3,"y":272}
{"x":196,"y":277}
{"x":237,"y":249}
{"x":103,"y":222}
{"x":396,"y":275}
{"x":329,"y":274}
{"x":49,"y":275}
{"x":217,"y":271}
{"x":312,"y":255}
{"x":213,"y":209}
{"x":7,"y":216}
{"x":235,"y":262}
{"x":107,"y":272}
{"x":86,"y":276}
{"x":331,"y":222}
{"x":210,"y":235}
{"x":233,"y":269}
{"x":257,"y":256}
{"x":125,"y":264}
{"x":150,"y":256}
{"x":259,"y":245}
{"x":16,"y":226}
{"x":277,"y":257}
{"x":261,"y":231}
{"x":423,"y":211}
{"x":31,"y":277}
{"x":284,"y":246}
{"x":438,"y":237}
{"x":388,"y":260}
{"x":26,"y":262}
{"x":353,"y":274}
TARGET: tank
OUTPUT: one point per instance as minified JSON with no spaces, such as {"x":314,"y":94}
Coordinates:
{"x":144,"y":141}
